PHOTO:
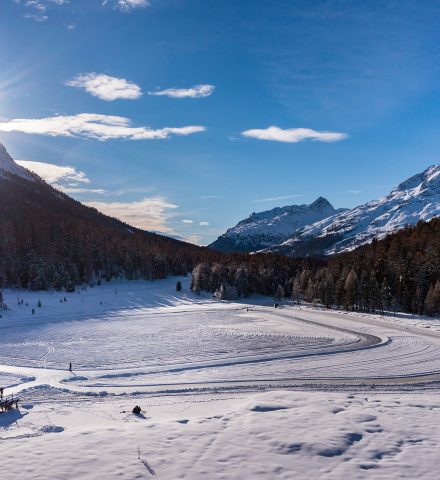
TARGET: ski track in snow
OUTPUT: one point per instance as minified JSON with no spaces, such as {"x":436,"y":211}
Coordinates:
{"x":194,"y":343}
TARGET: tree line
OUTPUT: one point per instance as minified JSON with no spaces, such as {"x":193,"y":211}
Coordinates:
{"x":50,"y":241}
{"x":400,"y":272}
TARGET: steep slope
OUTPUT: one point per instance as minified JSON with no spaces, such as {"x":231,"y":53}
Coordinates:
{"x":417,"y":198}
{"x":8,"y":167}
{"x":49,"y":240}
{"x":271,"y":227}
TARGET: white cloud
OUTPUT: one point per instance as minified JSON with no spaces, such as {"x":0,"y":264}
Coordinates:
{"x":274,"y":199}
{"x":187,"y":221}
{"x":67,"y":179}
{"x":67,"y":189}
{"x":38,"y":17}
{"x":293,"y":135}
{"x":204,"y":224}
{"x":54,"y":173}
{"x":91,"y":125}
{"x":127,"y":5}
{"x":148,"y":214}
{"x":106,"y":87}
{"x":195,"y":239}
{"x":198,"y":91}
{"x":38,"y":8}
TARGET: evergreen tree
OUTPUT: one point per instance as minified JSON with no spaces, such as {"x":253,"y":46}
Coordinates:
{"x":351,"y":290}
{"x":279,"y":294}
{"x":241,"y":281}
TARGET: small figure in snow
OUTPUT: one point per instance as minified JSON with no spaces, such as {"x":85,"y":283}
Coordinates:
{"x":1,"y":392}
{"x":137,"y":410}
{"x":70,"y":366}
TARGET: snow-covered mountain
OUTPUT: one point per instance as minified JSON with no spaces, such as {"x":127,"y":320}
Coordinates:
{"x":271,"y":227}
{"x":417,"y":198}
{"x":8,"y":166}
{"x":319,"y":229}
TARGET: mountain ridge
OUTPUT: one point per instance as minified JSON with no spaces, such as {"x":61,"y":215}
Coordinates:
{"x":264,"y":229}
{"x":416,"y":198}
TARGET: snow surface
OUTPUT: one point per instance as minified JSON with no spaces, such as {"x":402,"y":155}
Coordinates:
{"x":228,"y":390}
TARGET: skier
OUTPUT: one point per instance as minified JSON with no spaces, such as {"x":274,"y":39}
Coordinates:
{"x":1,"y":392}
{"x":70,"y":366}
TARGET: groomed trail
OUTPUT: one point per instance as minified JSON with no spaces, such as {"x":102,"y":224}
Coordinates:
{"x":191,"y":344}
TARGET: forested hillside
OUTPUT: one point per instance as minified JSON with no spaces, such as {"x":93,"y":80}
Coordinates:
{"x":49,"y":240}
{"x":401,"y":272}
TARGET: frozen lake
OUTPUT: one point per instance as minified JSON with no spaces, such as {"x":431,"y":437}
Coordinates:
{"x":346,"y":394}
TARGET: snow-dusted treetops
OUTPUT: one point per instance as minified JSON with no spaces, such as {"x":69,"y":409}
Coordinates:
{"x":318,"y":228}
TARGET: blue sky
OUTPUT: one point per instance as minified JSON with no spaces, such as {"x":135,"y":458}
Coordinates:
{"x":159,"y":112}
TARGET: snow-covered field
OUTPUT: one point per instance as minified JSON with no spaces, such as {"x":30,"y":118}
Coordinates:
{"x":228,"y":390}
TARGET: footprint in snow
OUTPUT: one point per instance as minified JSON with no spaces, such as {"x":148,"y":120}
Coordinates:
{"x":51,"y":429}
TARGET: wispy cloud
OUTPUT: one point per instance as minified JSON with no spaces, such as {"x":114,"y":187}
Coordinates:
{"x":37,"y":16}
{"x":92,"y":125}
{"x":37,"y":9}
{"x":69,"y":190}
{"x":204,"y":224}
{"x":127,"y":5}
{"x":54,"y":173}
{"x":195,"y":239}
{"x":293,"y":135}
{"x":274,"y":199}
{"x":198,"y":91}
{"x":186,"y":238}
{"x":65,"y":178}
{"x":209,"y":197}
{"x":106,"y":87}
{"x":187,"y":221}
{"x":147,"y":214}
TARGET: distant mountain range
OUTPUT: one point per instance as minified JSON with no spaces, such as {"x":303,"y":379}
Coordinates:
{"x":272,"y":227}
{"x":319,"y":229}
